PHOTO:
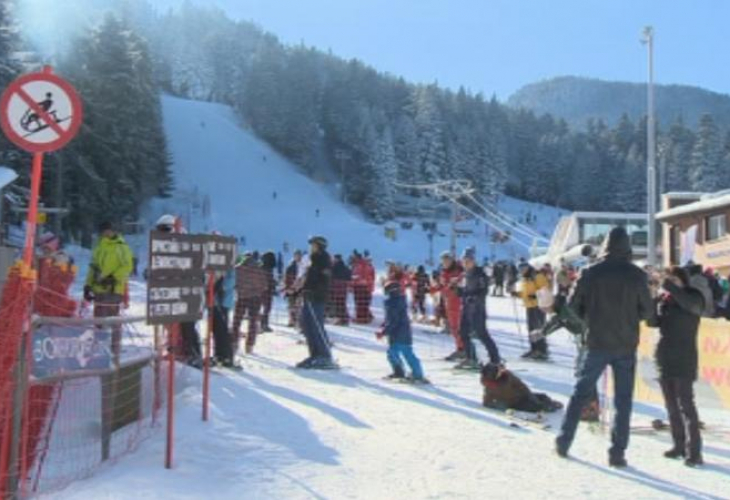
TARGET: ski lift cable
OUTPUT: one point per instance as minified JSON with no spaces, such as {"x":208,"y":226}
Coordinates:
{"x":455,"y":188}
{"x":488,"y":222}
{"x":463,"y":188}
{"x":528,"y":231}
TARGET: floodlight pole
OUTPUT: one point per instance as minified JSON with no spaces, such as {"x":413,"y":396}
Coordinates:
{"x":651,"y":256}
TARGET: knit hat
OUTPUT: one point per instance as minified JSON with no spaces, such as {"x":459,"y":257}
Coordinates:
{"x":469,"y":254}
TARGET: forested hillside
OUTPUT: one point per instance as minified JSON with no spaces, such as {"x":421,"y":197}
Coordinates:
{"x":578,"y":100}
{"x":375,"y":128}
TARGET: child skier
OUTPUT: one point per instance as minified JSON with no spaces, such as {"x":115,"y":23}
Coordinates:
{"x":397,"y":328}
{"x":565,"y":317}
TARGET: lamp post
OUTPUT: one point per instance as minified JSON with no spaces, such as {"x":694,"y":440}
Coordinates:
{"x":648,"y":40}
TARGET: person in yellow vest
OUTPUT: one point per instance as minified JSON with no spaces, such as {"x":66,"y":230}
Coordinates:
{"x":106,"y":282}
{"x":534,"y":283}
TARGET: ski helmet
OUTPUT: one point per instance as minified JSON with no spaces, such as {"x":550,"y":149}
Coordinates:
{"x":320,"y":241}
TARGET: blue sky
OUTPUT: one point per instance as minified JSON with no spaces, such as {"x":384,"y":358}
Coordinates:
{"x":490,"y":46}
{"x":499,"y":45}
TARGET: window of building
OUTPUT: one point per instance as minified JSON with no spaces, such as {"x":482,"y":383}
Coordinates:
{"x":715,"y":227}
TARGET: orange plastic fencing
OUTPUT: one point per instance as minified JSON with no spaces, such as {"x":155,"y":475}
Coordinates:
{"x":71,"y":397}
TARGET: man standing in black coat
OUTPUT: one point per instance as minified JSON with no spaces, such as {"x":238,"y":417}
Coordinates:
{"x":473,"y":292}
{"x":315,"y":292}
{"x":678,"y":318}
{"x":612,"y":297}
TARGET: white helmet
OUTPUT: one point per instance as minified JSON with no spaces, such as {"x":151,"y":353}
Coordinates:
{"x":166,"y":220}
{"x":166,"y":223}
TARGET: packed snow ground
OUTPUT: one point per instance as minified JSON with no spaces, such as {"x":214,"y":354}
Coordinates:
{"x":279,"y":433}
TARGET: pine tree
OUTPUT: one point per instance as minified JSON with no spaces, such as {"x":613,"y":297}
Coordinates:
{"x":706,"y":173}
{"x":429,"y":128}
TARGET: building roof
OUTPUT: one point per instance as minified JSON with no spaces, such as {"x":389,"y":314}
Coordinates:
{"x":609,"y":215}
{"x":706,"y":204}
{"x":7,"y":176}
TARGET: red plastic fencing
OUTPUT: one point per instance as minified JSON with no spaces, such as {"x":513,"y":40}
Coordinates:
{"x":71,"y":398}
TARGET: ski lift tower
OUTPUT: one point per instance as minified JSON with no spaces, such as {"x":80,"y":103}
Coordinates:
{"x":451,"y":191}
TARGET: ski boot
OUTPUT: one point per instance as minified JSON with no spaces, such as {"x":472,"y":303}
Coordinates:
{"x":418,"y":380}
{"x":456,"y":356}
{"x":468,"y":365}
{"x":322,"y":364}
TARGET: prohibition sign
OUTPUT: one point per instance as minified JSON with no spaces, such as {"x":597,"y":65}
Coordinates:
{"x":40,"y":112}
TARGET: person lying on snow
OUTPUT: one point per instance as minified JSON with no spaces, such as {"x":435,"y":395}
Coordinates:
{"x":503,"y":390}
{"x":397,"y":328}
{"x":565,"y":317}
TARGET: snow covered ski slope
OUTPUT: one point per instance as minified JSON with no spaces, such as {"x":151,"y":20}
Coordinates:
{"x":252,"y":192}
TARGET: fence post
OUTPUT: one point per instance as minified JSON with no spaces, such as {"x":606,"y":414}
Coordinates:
{"x":172,"y":340}
{"x":208,"y":339}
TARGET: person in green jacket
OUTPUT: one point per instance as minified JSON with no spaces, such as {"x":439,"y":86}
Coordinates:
{"x":106,"y":282}
{"x":565,"y":317}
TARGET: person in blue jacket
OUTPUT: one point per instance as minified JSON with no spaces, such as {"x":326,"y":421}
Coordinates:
{"x":225,"y":286}
{"x":397,"y":328}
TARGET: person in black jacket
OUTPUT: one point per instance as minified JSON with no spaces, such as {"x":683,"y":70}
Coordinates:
{"x":315,"y":291}
{"x":341,"y":277}
{"x":612,"y":297}
{"x":473,"y":292}
{"x":678,"y":318}
{"x":268,"y":264}
{"x":498,"y":275}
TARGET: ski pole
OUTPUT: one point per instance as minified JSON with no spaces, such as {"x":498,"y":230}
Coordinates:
{"x":517,"y":321}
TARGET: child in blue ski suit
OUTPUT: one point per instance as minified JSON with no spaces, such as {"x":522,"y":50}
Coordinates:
{"x":397,"y":328}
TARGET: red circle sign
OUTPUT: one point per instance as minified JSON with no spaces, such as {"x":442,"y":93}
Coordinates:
{"x":40,"y":112}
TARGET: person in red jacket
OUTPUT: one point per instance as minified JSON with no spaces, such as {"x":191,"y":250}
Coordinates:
{"x":363,"y":284}
{"x":451,"y":274}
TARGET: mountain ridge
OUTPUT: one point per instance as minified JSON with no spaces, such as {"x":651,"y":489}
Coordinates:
{"x":578,"y":99}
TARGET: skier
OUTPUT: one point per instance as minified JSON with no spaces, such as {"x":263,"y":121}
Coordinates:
{"x":291,"y":275}
{"x":341,"y":276}
{"x":421,"y":285}
{"x":613,"y":336}
{"x":314,"y":291}
{"x":397,"y":328}
{"x":451,"y":274}
{"x":225,"y":286}
{"x":498,"y":275}
{"x":564,"y":280}
{"x":678,"y":318}
{"x":503,"y":390}
{"x":565,"y":317}
{"x":532,"y":284}
{"x":363,"y":283}
{"x":251,"y":287}
{"x":106,"y":282}
{"x":473,"y":291}
{"x":511,"y":277}
{"x":268,"y":265}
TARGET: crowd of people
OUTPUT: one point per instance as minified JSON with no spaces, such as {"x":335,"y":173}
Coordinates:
{"x":584,"y":302}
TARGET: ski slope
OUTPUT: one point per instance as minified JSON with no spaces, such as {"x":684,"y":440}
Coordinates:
{"x":277,"y":433}
{"x":255,"y":194}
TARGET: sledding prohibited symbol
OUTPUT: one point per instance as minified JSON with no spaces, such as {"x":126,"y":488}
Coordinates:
{"x":40,"y":112}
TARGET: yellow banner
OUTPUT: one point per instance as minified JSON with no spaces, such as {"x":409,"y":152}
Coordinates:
{"x":712,"y":389}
